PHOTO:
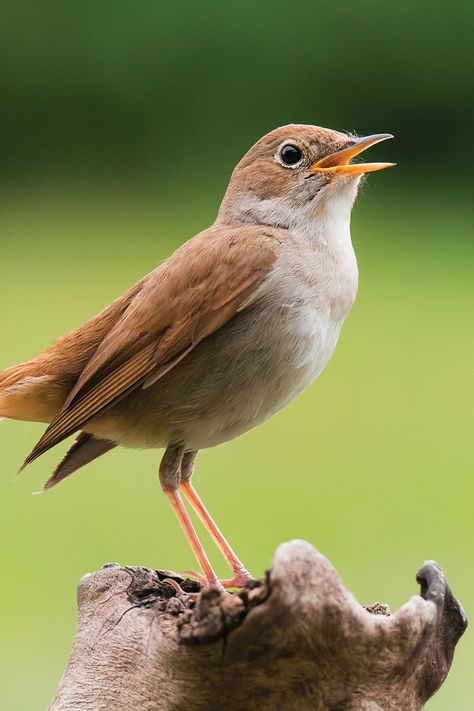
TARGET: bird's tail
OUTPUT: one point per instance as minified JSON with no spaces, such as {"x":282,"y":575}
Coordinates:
{"x":28,"y":392}
{"x":37,"y":389}
{"x":85,"y":449}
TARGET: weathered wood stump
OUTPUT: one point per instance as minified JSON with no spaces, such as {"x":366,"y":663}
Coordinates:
{"x":297,"y":639}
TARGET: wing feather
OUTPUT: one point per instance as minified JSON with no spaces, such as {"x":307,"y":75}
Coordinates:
{"x":195,"y":292}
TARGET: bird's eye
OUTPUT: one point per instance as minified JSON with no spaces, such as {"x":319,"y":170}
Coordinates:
{"x":290,"y":154}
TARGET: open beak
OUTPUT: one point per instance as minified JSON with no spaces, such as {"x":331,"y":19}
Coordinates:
{"x":338,"y":163}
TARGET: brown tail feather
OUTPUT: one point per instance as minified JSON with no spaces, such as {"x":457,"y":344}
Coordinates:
{"x":36,"y":390}
{"x":29,"y":392}
{"x":18,"y":389}
{"x":84,"y":450}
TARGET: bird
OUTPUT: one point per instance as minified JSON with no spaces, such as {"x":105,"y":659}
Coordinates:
{"x":220,"y":336}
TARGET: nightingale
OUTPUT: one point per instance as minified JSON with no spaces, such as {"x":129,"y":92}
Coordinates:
{"x":220,"y":336}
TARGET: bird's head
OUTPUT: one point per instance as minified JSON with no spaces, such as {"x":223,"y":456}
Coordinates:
{"x":294,"y":171}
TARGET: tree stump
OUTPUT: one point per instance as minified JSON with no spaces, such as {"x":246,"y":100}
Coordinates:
{"x":297,"y":639}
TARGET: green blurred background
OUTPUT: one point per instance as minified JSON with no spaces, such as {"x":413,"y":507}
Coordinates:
{"x":120,"y":124}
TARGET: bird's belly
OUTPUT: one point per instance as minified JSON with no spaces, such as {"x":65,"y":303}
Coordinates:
{"x":234,"y":380}
{"x":290,"y":361}
{"x":276,"y":362}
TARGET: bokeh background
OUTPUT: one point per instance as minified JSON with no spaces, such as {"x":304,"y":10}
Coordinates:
{"x":120,"y":124}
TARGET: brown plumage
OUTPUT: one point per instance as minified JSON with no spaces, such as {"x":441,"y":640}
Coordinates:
{"x":37,"y":389}
{"x":85,"y":448}
{"x":223,"y":268}
{"x":221,"y":335}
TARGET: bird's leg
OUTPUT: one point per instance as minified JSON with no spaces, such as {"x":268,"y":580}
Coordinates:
{"x":170,"y":473}
{"x":240,"y":574}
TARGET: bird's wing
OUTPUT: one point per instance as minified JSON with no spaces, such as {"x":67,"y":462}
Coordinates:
{"x":192,"y":294}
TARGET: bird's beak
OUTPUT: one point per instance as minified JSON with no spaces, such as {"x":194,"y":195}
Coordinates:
{"x":338,"y":163}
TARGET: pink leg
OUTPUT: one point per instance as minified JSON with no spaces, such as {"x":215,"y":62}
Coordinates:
{"x":240,"y":575}
{"x":188,"y":528}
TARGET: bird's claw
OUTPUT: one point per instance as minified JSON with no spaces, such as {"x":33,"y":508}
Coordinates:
{"x":203,"y":580}
{"x":239,"y":580}
{"x":194,"y":574}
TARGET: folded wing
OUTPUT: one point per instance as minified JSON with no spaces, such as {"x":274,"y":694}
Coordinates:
{"x":188,"y":297}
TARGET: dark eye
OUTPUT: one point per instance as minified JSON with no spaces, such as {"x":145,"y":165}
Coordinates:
{"x":290,"y":154}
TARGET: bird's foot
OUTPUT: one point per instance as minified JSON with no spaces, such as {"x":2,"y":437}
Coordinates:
{"x":203,"y":580}
{"x":240,"y":579}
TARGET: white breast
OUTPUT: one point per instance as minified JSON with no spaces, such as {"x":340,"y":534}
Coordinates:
{"x":273,"y":350}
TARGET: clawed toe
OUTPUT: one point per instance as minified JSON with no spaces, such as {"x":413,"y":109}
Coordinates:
{"x":203,"y":580}
{"x":240,"y":580}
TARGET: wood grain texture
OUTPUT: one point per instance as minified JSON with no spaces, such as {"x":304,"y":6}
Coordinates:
{"x":294,"y":640}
